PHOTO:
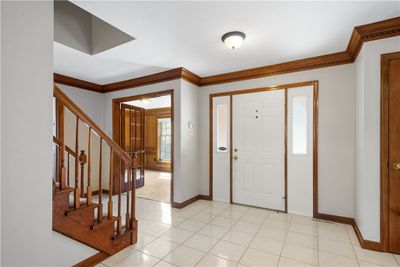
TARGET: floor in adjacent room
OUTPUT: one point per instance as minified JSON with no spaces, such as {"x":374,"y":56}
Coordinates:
{"x":157,"y":186}
{"x":209,"y":233}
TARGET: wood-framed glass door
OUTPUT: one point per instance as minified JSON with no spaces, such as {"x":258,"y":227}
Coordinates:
{"x":132,"y":140}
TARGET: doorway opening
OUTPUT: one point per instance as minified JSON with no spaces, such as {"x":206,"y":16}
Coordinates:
{"x":143,"y":127}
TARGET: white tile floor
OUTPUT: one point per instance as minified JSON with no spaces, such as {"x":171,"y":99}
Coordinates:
{"x":219,"y":234}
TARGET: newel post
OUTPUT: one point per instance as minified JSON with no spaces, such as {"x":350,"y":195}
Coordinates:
{"x":82,"y":160}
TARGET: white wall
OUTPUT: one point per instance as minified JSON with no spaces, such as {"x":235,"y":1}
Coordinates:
{"x":90,"y":102}
{"x":367,"y":145}
{"x":26,"y":129}
{"x":336,"y":131}
{"x":188,"y":184}
{"x":0,"y":134}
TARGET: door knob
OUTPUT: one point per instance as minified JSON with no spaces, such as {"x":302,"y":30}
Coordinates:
{"x":396,"y":166}
{"x":236,"y":158}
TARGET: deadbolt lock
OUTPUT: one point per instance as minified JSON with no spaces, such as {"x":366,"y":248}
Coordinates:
{"x":397,"y":166}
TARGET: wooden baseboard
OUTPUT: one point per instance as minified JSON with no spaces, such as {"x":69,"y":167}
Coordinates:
{"x":180,"y":205}
{"x":335,"y":218}
{"x":367,"y":244}
{"x":93,"y":260}
{"x":204,"y":197}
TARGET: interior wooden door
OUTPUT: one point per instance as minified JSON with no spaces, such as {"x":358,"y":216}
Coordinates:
{"x":258,"y":134}
{"x":151,"y":141}
{"x":394,"y":154}
{"x":132,"y":140}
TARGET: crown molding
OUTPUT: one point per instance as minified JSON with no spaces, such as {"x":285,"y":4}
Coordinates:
{"x":370,"y":32}
{"x":364,"y":33}
{"x":145,"y":80}
{"x":190,"y":77}
{"x":334,"y":59}
{"x":66,"y":80}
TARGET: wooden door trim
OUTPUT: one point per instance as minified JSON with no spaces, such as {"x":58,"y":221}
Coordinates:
{"x":315,"y":136}
{"x":384,"y":168}
{"x":116,"y":124}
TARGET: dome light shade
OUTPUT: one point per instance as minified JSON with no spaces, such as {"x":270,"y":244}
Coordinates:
{"x":233,"y":40}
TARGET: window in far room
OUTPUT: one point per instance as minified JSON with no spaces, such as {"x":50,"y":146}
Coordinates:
{"x":164,"y":128}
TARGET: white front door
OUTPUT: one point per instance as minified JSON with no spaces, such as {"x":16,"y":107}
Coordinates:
{"x":258,"y":134}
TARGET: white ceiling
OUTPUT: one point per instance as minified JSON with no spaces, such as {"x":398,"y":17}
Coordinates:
{"x":151,"y":103}
{"x":187,"y":34}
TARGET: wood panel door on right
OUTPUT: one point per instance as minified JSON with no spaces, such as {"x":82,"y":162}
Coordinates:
{"x":394,"y":153}
{"x":258,"y":136}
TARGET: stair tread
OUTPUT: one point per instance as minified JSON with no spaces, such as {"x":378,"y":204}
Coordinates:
{"x":123,"y":232}
{"x":82,"y":207}
{"x":104,"y":222}
{"x":64,"y":191}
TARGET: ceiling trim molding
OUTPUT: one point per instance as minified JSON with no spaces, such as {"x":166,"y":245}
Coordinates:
{"x":66,"y":80}
{"x":144,"y":80}
{"x":364,"y":33}
{"x":370,"y":32}
{"x":334,"y":59}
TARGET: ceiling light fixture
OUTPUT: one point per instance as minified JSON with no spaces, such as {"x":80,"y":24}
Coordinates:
{"x":145,"y":100}
{"x":233,"y":40}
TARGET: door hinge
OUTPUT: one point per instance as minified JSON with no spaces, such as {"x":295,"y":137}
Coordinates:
{"x":284,"y":197}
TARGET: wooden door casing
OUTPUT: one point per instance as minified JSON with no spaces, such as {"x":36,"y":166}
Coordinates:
{"x":394,"y":154}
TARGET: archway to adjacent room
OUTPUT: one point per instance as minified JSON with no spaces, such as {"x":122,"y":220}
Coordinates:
{"x":143,"y":126}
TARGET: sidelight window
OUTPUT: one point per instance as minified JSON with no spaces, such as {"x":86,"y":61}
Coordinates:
{"x":222,"y":128}
{"x":299,"y":125}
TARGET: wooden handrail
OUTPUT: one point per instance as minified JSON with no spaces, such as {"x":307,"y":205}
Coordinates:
{"x":67,"y":148}
{"x":85,"y":118}
{"x":122,"y":164}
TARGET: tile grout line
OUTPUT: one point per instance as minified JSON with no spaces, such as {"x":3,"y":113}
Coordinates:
{"x":352,"y":246}
{"x":254,"y":236}
{"x":197,"y":232}
{"x":214,"y":216}
{"x":180,"y":245}
{"x":159,"y":237}
{"x":285,"y":239}
{"x":317,"y":244}
{"x":221,"y":238}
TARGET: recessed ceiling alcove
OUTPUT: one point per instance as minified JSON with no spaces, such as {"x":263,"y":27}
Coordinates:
{"x":80,"y":30}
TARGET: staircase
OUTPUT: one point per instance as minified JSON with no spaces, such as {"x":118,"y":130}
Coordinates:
{"x":90,"y":209}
